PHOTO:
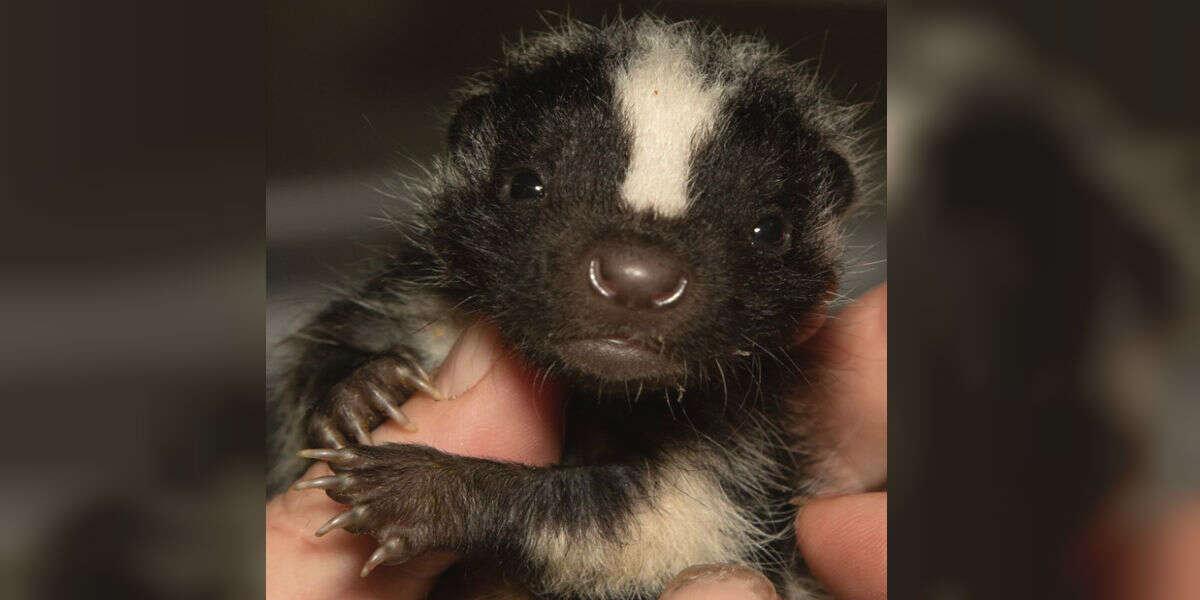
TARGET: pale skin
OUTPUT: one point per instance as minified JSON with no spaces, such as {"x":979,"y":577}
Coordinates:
{"x":500,"y":409}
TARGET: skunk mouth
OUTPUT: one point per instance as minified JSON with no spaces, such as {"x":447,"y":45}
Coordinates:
{"x":619,"y":358}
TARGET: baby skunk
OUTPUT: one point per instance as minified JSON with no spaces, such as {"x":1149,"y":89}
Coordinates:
{"x":650,"y":210}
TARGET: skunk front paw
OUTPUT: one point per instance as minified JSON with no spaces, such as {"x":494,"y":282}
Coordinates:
{"x":370,"y":394}
{"x":393,"y":491}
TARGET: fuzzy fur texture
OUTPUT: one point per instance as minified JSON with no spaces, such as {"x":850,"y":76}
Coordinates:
{"x":671,"y":109}
{"x":647,"y":135}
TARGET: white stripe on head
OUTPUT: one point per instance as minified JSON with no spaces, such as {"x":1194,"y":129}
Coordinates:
{"x":670,"y":111}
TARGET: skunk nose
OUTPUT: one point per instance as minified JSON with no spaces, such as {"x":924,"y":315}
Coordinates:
{"x":636,"y":276}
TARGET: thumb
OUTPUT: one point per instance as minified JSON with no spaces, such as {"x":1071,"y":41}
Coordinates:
{"x":719,"y":582}
{"x":844,"y":541}
{"x":497,"y":408}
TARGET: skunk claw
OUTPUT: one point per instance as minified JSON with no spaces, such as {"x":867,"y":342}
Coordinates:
{"x":327,"y":455}
{"x":325,"y":483}
{"x":327,"y":433}
{"x":341,"y":521}
{"x":425,"y":385}
{"x":410,"y":373}
{"x":382,"y":401}
{"x":361,"y":432}
{"x":390,"y":549}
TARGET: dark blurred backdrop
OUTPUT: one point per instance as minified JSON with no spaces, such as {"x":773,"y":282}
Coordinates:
{"x":1043,"y":211}
{"x":131,"y":286}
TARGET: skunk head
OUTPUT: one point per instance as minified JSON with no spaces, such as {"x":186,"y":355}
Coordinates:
{"x":643,"y":202}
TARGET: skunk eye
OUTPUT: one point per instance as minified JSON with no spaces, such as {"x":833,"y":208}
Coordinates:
{"x":771,"y":232}
{"x":526,"y":185}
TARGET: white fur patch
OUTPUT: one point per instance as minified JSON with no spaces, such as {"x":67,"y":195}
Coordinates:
{"x":670,"y":110}
{"x":687,"y":520}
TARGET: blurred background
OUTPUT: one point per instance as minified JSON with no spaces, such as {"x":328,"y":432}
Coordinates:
{"x":131,"y":295}
{"x":1043,"y":204}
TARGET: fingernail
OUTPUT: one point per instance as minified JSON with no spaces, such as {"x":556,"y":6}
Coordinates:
{"x":719,"y":582}
{"x":468,"y":361}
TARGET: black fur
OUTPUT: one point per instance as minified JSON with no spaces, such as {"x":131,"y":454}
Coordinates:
{"x":778,"y":147}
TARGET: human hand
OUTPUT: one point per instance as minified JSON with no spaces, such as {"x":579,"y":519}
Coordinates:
{"x":499,"y":409}
{"x":843,"y":537}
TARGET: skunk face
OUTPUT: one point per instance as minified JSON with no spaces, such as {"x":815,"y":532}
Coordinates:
{"x":643,"y":204}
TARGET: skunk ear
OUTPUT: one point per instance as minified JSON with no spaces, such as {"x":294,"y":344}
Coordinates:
{"x":469,"y":127}
{"x":843,"y":187}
